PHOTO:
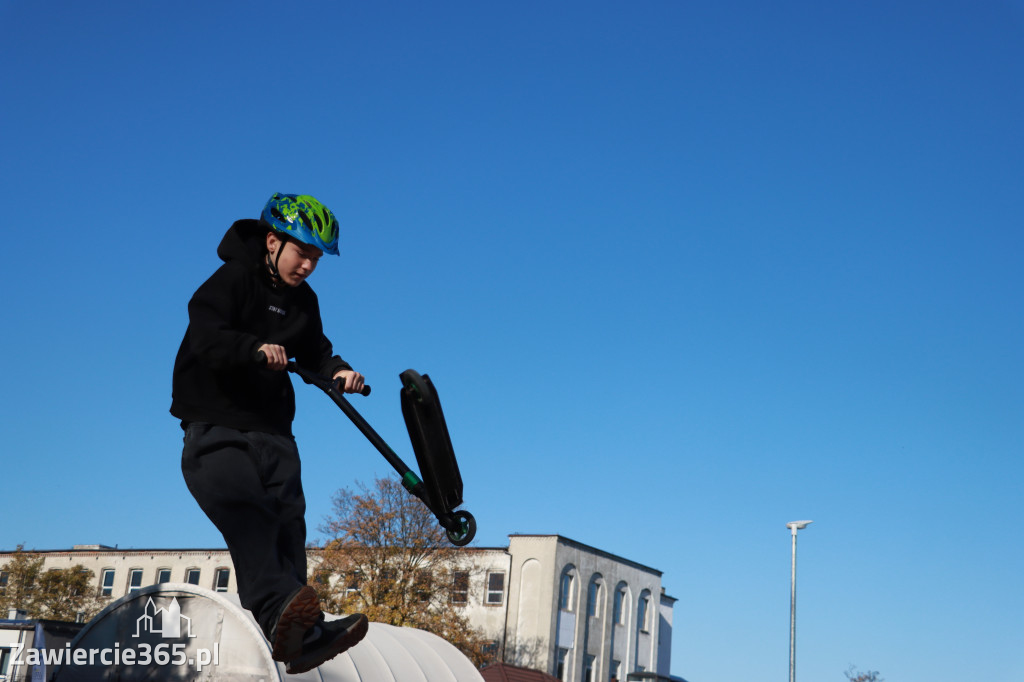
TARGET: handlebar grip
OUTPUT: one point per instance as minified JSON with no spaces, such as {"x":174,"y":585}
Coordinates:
{"x":366,"y":389}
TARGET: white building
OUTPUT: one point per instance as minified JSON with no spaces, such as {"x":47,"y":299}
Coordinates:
{"x":548,"y":602}
{"x":582,"y":614}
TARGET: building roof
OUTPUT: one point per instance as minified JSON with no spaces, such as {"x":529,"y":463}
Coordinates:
{"x":589,"y":548}
{"x":503,"y":672}
{"x":104,"y":549}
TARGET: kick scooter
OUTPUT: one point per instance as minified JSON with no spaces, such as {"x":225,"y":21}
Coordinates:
{"x":440,"y":487}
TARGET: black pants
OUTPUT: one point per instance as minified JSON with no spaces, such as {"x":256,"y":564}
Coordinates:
{"x":248,"y":483}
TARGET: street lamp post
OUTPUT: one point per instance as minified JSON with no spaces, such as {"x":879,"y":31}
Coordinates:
{"x":793,"y":526}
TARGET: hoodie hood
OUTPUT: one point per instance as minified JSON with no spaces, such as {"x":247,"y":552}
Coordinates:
{"x":244,"y":241}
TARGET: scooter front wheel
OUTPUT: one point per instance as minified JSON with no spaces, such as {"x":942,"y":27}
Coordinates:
{"x":464,"y":529}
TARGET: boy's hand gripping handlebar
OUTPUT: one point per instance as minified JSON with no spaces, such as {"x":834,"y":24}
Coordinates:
{"x":321,"y":382}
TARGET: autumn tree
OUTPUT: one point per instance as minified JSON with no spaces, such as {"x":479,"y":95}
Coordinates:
{"x":67,"y":594}
{"x":56,"y":594}
{"x":388,"y":557}
{"x":19,"y":580}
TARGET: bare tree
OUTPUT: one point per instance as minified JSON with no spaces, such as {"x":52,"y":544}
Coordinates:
{"x":854,"y":675}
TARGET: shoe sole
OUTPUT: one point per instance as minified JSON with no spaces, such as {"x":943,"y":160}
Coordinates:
{"x":300,"y":614}
{"x":354,"y":635}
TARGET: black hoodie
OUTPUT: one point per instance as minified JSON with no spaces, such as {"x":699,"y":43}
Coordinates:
{"x":218,"y":377}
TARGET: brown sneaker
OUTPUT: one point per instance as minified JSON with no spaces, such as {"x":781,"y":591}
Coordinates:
{"x":327,"y":640}
{"x":300,"y":612}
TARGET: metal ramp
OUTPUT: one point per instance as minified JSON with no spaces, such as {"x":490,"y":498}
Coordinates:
{"x":173,"y":632}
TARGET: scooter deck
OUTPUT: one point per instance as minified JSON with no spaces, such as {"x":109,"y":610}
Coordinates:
{"x":428,"y":433}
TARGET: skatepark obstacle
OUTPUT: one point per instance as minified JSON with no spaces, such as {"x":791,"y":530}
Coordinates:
{"x":176,"y":632}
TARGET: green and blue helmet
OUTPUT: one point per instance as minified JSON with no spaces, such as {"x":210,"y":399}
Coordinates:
{"x":304,"y":219}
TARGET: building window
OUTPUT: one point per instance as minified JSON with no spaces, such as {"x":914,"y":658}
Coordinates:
{"x":495,"y":588}
{"x":594,"y":597}
{"x":107,"y":583}
{"x":422,"y":586}
{"x":352,"y":585}
{"x":192,"y":576}
{"x":460,"y":587}
{"x":560,"y":663}
{"x":4,"y":577}
{"x":163,"y":575}
{"x":616,"y":671}
{"x":221,"y":579}
{"x":588,"y":668}
{"x":74,"y":591}
{"x":643,"y":611}
{"x":322,"y":577}
{"x":565,"y":589}
{"x":619,"y":611}
{"x":134,"y":579}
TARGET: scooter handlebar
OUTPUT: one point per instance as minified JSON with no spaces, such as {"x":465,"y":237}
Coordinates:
{"x":321,"y":381}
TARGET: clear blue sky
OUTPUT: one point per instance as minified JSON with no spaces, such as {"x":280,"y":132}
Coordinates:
{"x":682,"y":272}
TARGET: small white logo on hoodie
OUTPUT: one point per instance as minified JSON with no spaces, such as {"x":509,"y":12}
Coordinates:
{"x":279,"y":311}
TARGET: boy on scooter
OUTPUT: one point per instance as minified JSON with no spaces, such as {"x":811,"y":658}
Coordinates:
{"x":233,"y":395}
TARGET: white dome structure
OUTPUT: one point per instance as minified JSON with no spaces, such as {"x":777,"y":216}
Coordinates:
{"x":172,"y":632}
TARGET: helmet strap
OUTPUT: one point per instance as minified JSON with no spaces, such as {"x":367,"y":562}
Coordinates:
{"x":275,"y":273}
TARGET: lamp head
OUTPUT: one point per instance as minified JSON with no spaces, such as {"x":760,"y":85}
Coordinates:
{"x":798,"y":525}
